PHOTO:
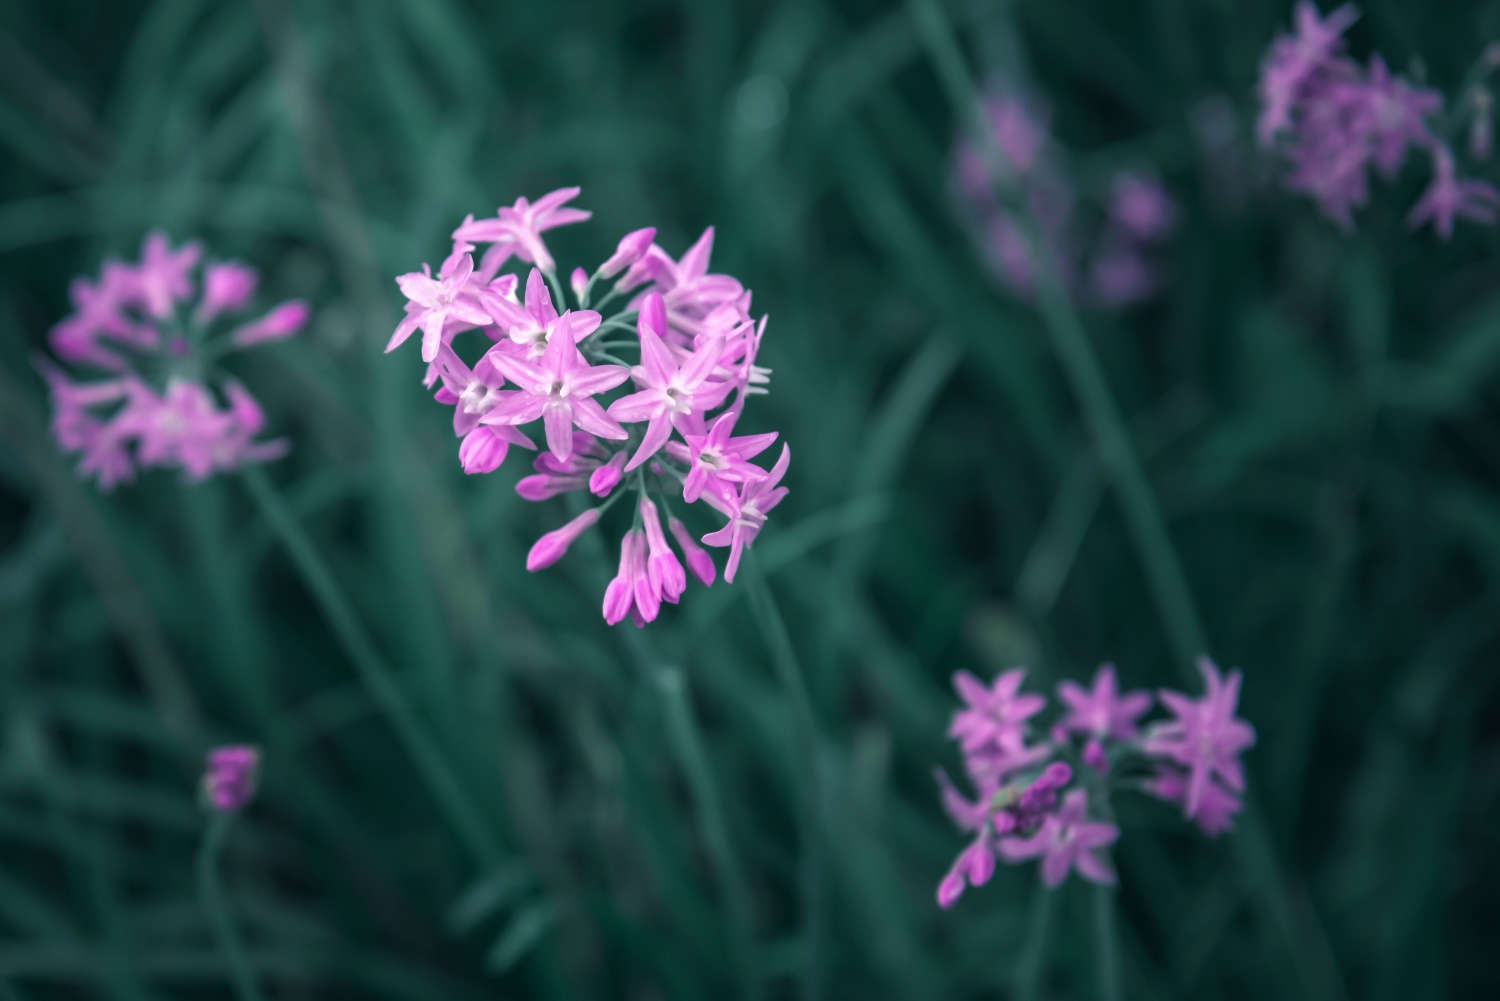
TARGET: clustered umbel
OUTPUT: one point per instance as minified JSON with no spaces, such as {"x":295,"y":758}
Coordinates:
{"x":1015,"y":185}
{"x":682,"y":336}
{"x":1027,"y":804}
{"x":151,"y":332}
{"x":1335,"y":120}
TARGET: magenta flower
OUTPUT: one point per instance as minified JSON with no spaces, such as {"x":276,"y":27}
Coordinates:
{"x":715,"y":459}
{"x":1216,"y":805}
{"x":518,"y":230}
{"x":229,"y":777}
{"x":994,"y":716}
{"x":1294,"y":60}
{"x":747,"y":511}
{"x":1449,"y":197}
{"x":1067,"y":840}
{"x":1102,"y":711}
{"x":670,"y":390}
{"x":129,"y":322}
{"x":1025,"y":212}
{"x":682,"y":334}
{"x":1206,"y":738}
{"x":439,"y":300}
{"x":559,"y":389}
{"x":164,"y":276}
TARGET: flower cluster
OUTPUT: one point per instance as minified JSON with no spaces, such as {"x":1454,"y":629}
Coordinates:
{"x":1024,"y":807}
{"x":152,"y":330}
{"x":1336,"y":120}
{"x":1013,"y":181}
{"x":230,"y":775}
{"x":691,"y":344}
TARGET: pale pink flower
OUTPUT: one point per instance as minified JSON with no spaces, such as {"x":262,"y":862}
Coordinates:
{"x":517,"y":229}
{"x":559,"y":388}
{"x":1067,"y":840}
{"x":747,"y":511}
{"x":229,"y":777}
{"x":1206,"y":738}
{"x":716,"y":457}
{"x":437,"y":300}
{"x":1450,"y":197}
{"x":164,"y":276}
{"x":1103,"y":711}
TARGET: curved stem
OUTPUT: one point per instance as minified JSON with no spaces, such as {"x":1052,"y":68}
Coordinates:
{"x":789,"y":671}
{"x":373,"y":673}
{"x":212,"y":894}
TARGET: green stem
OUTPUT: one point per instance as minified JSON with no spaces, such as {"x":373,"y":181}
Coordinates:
{"x":373,"y":673}
{"x":789,"y":671}
{"x":212,"y":894}
{"x":1032,"y":963}
{"x":1104,"y":943}
{"x":682,"y":729}
{"x":557,"y":290}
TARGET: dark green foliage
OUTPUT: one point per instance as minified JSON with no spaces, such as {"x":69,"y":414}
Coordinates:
{"x":1315,"y":415}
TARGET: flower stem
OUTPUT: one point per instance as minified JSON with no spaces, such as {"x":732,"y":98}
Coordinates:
{"x":1032,"y":964}
{"x":687,"y":740}
{"x":1104,"y":943}
{"x":789,"y":671}
{"x":373,"y":673}
{"x":212,"y":894}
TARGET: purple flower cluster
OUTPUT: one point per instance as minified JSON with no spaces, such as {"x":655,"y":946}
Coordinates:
{"x":1336,"y":121}
{"x":670,"y":433}
{"x":1024,"y":808}
{"x":1105,"y":257}
{"x":150,"y":331}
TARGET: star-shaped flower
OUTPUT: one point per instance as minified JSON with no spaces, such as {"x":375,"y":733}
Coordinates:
{"x":164,"y":275}
{"x":716,"y":457}
{"x":1102,"y":711}
{"x":1449,"y":197}
{"x":994,"y":716}
{"x":434,"y":301}
{"x":531,"y":325}
{"x":517,"y":229}
{"x":670,"y":390}
{"x":559,"y":388}
{"x":1206,"y":738}
{"x":747,"y":511}
{"x":1066,"y":840}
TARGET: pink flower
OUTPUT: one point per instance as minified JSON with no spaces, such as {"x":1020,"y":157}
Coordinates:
{"x":1292,"y":62}
{"x":1067,"y":840}
{"x":518,"y":229}
{"x":671,"y":391}
{"x":184,"y":415}
{"x":994,"y":716}
{"x":229,"y":777}
{"x":436,"y":301}
{"x":630,"y":592}
{"x":163,"y":277}
{"x":1216,"y":805}
{"x":1449,"y":197}
{"x":1206,"y":738}
{"x":1103,"y":711}
{"x":715,"y":457}
{"x":747,"y":511}
{"x":531,"y":326}
{"x":560,"y":389}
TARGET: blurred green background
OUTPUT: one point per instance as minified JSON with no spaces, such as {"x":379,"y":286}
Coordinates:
{"x":1288,"y":460}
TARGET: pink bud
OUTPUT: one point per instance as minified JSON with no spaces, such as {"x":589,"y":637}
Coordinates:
{"x":543,"y":486}
{"x":632,"y":247}
{"x":950,"y":889}
{"x":482,"y":450}
{"x":281,"y":322}
{"x":1094,"y":756}
{"x":698,"y":560}
{"x":551,"y":547}
{"x":579,"y":280}
{"x":619,"y":596}
{"x":248,"y":416}
{"x":607,"y":477}
{"x":226,"y":287}
{"x":653,"y":315}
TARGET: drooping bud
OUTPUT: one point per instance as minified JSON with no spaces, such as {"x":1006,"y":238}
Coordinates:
{"x":550,"y":548}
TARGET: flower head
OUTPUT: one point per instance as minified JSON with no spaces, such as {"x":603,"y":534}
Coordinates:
{"x":158,"y":407}
{"x":229,"y":777}
{"x":681,"y":334}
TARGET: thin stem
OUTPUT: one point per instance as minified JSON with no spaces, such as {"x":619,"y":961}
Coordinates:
{"x":1032,"y":963}
{"x":557,"y":290}
{"x":1104,"y":943}
{"x":789,"y":671}
{"x":212,"y":894}
{"x":373,"y":673}
{"x":686,"y":738}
